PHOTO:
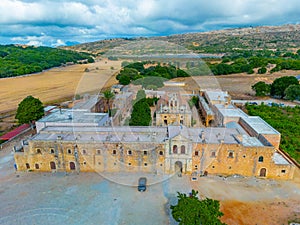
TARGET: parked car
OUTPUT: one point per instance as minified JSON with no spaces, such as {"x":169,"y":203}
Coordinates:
{"x":252,"y":103}
{"x":142,"y":184}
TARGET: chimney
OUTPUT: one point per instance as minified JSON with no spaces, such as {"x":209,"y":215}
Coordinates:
{"x":202,"y":136}
{"x":59,"y":137}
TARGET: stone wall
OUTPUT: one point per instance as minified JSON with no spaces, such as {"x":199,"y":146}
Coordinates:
{"x":156,"y":158}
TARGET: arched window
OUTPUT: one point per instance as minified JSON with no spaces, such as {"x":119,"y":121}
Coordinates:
{"x":230,"y":155}
{"x":27,"y":166}
{"x":175,"y":150}
{"x":182,"y":149}
{"x":260,"y":159}
{"x":72,"y":166}
{"x":161,"y":153}
{"x":38,"y":151}
{"x":69,"y":151}
{"x":213,"y":154}
{"x":263,"y":172}
{"x":84,"y":152}
{"x":52,"y":151}
{"x":37,"y":166}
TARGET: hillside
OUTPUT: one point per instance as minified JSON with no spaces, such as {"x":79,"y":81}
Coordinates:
{"x":283,"y":38}
{"x":19,"y":60}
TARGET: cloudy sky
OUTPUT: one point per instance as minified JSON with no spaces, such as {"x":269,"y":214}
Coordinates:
{"x":62,"y":22}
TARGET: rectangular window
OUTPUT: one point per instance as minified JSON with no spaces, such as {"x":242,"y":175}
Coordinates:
{"x":114,"y":152}
{"x":196,"y":153}
{"x":282,"y":171}
{"x":145,"y":153}
{"x":129,"y":152}
{"x":98,"y":152}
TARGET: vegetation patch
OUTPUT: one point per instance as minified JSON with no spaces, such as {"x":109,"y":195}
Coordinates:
{"x":191,"y":210}
{"x":20,"y":60}
{"x":245,"y":61}
{"x":139,"y":74}
{"x":284,"y":87}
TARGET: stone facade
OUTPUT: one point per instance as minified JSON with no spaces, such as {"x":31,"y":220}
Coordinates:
{"x":164,"y":151}
{"x":247,"y":146}
{"x":172,"y":109}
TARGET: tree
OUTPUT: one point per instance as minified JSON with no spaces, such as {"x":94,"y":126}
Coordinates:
{"x":262,"y":70}
{"x":280,"y":84}
{"x":192,"y":211}
{"x":108,"y":95}
{"x":193,"y":101}
{"x":124,"y":80}
{"x":30,"y":109}
{"x":261,"y":88}
{"x":292,"y":92}
{"x":141,"y":114}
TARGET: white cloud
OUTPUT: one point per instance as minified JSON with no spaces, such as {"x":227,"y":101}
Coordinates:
{"x":86,"y":20}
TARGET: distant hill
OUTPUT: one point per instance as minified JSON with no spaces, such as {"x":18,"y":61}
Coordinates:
{"x":282,"y":38}
{"x":16,"y":60}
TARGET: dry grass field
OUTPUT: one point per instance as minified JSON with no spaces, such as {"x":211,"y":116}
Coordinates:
{"x":65,"y":82}
{"x":57,"y":83}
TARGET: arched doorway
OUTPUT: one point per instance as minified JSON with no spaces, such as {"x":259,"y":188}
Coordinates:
{"x":263,"y":172}
{"x":72,"y":166}
{"x":178,"y":167}
{"x":52,"y":165}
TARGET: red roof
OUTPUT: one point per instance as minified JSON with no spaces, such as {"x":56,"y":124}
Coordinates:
{"x":14,"y":132}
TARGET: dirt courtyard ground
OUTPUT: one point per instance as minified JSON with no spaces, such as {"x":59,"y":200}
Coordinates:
{"x":90,"y":198}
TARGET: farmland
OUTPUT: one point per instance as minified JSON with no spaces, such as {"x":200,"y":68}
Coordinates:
{"x":56,"y":84}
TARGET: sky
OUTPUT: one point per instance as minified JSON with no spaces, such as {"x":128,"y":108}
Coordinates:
{"x":66,"y":22}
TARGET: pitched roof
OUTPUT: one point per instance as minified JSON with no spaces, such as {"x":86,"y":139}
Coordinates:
{"x":14,"y":132}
